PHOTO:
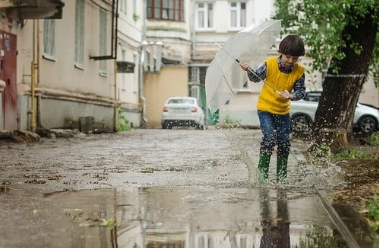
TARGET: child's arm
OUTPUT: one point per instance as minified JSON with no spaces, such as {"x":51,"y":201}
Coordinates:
{"x":298,"y":92}
{"x":255,"y":75}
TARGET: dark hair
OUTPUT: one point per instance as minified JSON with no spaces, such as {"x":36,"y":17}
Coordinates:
{"x":292,"y":45}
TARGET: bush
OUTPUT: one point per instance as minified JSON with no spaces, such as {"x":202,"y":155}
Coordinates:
{"x":123,"y":123}
{"x":231,"y":123}
{"x":374,"y":139}
{"x":373,"y":213}
{"x":352,"y":154}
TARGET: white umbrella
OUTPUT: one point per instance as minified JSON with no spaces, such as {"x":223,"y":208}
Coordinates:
{"x":224,"y":75}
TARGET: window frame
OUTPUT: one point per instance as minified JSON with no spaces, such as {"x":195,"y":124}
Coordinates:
{"x":103,"y":41}
{"x":156,"y":9}
{"x":205,"y":10}
{"x":48,"y":51}
{"x":238,"y":9}
{"x":79,"y":33}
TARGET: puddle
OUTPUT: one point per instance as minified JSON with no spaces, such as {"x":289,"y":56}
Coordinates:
{"x":194,"y":217}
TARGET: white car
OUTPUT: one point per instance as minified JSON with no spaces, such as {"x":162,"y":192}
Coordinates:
{"x":366,"y":118}
{"x":182,"y":111}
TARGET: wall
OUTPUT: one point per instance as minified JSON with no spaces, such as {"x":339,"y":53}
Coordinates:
{"x":172,"y":81}
{"x":72,"y":91}
{"x":370,"y":93}
{"x":129,"y":46}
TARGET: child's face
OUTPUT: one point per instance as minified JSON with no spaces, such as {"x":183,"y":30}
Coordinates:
{"x":289,"y":60}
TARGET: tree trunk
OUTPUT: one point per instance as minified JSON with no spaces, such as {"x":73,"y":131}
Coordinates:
{"x":341,"y":91}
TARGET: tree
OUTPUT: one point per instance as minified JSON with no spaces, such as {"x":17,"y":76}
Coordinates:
{"x":341,"y":36}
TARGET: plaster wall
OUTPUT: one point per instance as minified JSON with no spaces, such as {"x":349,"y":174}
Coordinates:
{"x":172,"y":81}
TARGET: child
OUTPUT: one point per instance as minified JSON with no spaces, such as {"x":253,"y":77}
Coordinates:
{"x":282,"y":75}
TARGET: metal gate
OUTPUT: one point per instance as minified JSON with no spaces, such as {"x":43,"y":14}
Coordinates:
{"x":8,"y":67}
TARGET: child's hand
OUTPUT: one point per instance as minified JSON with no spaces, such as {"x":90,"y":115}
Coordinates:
{"x":286,"y":95}
{"x":245,"y":66}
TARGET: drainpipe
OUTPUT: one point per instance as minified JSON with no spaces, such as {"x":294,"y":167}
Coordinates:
{"x":141,"y":79}
{"x":115,"y":96}
{"x":193,"y":32}
{"x":142,"y":60}
{"x":39,"y":122}
{"x":115,"y":41}
{"x":32,"y":84}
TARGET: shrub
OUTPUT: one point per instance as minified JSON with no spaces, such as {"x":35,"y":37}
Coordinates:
{"x":123,"y":123}
{"x":231,"y":123}
{"x":373,"y":213}
{"x":374,"y":139}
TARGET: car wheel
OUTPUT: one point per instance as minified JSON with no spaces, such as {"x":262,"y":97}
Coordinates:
{"x":301,"y":124}
{"x":367,"y":124}
{"x":200,"y":127}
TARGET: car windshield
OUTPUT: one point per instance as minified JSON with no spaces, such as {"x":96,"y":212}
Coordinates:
{"x":181,"y":101}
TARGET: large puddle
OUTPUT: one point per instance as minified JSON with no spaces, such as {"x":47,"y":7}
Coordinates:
{"x":193,"y":217}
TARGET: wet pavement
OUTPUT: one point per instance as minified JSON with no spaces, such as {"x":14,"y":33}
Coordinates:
{"x":159,"y":188}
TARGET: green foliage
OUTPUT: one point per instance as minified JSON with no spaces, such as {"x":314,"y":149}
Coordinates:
{"x":319,"y":155}
{"x":321,"y":151}
{"x":322,"y":24}
{"x":231,"y":123}
{"x":352,"y":154}
{"x":374,"y":139}
{"x":135,"y":16}
{"x":373,"y":213}
{"x":109,"y":223}
{"x":123,"y":123}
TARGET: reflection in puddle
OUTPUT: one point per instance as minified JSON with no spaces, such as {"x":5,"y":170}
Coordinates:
{"x":163,"y":217}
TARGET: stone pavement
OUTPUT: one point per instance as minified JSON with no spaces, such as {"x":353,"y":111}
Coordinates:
{"x":142,"y":157}
{"x":216,"y":160}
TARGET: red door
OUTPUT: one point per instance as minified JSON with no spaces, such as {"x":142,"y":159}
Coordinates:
{"x":8,"y":64}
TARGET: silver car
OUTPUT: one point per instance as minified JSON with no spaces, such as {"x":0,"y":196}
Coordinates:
{"x":366,"y":118}
{"x":182,"y":111}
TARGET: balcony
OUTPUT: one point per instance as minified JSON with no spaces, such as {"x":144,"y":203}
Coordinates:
{"x":32,"y":9}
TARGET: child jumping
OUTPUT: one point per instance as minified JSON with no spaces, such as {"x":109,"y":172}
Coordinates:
{"x":284,"y":82}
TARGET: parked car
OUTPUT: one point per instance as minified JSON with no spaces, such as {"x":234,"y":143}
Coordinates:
{"x":366,"y":118}
{"x":182,"y":111}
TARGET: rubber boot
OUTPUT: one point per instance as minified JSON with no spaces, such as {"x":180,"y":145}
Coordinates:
{"x":281,"y":169}
{"x":263,"y":165}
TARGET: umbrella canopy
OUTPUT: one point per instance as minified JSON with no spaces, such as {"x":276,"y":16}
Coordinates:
{"x":224,"y":75}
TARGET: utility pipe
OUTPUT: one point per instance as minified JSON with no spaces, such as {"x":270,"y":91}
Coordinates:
{"x":39,"y":98}
{"x":32,"y":84}
{"x":115,"y":97}
{"x":115,"y":30}
{"x":142,"y":61}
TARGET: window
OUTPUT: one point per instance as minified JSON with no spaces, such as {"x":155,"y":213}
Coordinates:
{"x":125,"y":2}
{"x":122,"y":6}
{"x":79,"y":33}
{"x":103,"y":40}
{"x":204,"y":15}
{"x":49,"y":38}
{"x":165,"y":10}
{"x":123,"y":76}
{"x":237,"y":14}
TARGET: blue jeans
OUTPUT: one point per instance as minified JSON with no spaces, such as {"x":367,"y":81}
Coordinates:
{"x":276,"y":130}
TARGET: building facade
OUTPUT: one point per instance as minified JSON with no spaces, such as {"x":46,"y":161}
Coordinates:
{"x":130,"y":32}
{"x":167,"y":49}
{"x":104,"y":58}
